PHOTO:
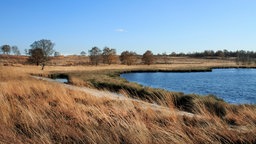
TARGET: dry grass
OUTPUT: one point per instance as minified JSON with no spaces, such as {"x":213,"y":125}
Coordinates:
{"x":33,"y":111}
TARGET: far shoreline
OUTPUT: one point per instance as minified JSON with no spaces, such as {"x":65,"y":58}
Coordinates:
{"x":184,"y":70}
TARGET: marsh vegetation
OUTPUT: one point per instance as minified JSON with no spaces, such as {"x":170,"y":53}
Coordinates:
{"x":44,"y":112}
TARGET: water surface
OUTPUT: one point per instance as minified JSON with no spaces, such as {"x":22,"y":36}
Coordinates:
{"x":233,"y":85}
{"x":62,"y":80}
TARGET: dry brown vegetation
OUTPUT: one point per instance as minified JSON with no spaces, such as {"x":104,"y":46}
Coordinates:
{"x":33,"y":111}
{"x":11,"y":59}
{"x":75,"y":60}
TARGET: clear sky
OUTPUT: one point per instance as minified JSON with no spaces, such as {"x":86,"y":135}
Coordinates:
{"x":134,"y":25}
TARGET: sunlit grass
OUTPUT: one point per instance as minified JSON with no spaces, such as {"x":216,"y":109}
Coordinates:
{"x":34,"y":111}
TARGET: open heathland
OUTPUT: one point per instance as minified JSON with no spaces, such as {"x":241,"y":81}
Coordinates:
{"x":40,"y":111}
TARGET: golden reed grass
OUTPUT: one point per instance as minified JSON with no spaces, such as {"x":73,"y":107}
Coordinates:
{"x":34,"y":111}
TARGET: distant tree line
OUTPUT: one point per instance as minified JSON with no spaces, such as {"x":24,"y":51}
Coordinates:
{"x":245,"y":57}
{"x":219,"y":53}
{"x":7,"y":49}
{"x":241,"y":56}
{"x":41,"y":51}
{"x":109,"y":56}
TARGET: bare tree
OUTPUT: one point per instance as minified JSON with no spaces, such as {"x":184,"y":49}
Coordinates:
{"x":6,"y":49}
{"x":148,"y":57}
{"x":41,"y":51}
{"x":128,"y":58}
{"x":36,"y":56}
{"x":45,"y":45}
{"x":15,"y":50}
{"x":109,"y":56}
{"x":83,"y":53}
{"x":95,"y":55}
{"x":56,"y":54}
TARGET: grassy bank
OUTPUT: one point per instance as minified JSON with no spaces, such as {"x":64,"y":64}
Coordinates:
{"x":109,"y":79}
{"x":33,"y":111}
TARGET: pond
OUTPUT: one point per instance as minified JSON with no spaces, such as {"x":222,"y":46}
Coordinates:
{"x":236,"y":86}
{"x":62,"y":80}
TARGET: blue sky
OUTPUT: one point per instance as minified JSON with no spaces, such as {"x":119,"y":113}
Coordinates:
{"x":134,"y":25}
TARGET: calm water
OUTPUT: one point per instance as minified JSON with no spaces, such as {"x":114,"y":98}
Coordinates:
{"x":62,"y":80}
{"x":233,"y":85}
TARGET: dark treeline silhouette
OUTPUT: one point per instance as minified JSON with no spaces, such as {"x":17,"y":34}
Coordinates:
{"x":241,"y":56}
{"x":245,"y":57}
{"x":211,"y":53}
